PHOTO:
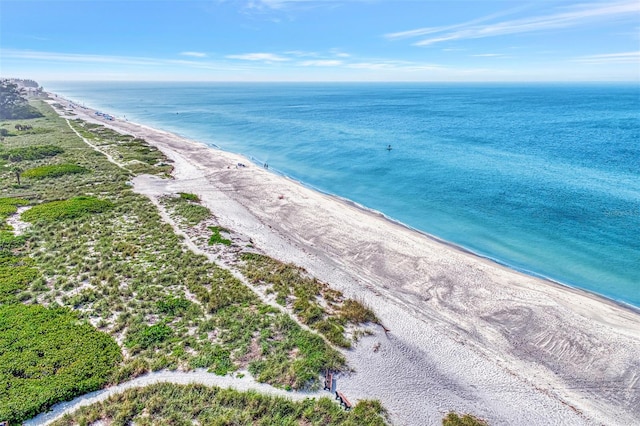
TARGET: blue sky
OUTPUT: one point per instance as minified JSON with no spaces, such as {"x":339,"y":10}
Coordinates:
{"x":321,"y":40}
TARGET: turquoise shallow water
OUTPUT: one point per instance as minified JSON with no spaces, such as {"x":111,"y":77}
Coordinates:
{"x":544,"y":178}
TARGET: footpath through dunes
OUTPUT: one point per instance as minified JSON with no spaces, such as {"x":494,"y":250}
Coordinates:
{"x":202,"y":377}
{"x":465,"y":334}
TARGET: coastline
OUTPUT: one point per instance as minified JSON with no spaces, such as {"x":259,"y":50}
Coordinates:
{"x":475,"y":307}
{"x":521,"y":266}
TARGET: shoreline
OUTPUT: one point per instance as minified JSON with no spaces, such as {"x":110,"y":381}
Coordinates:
{"x":522,"y":270}
{"x":490,"y":320}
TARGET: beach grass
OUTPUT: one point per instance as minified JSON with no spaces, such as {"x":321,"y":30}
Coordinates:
{"x":312,"y":301}
{"x":454,"y":419}
{"x":53,"y":170}
{"x":186,"y":208}
{"x":30,"y":153}
{"x":135,"y":154}
{"x":196,"y":404}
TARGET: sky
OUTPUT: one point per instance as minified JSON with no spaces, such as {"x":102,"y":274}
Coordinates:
{"x":321,"y":40}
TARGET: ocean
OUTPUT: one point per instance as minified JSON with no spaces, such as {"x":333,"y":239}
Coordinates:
{"x":543,"y":178}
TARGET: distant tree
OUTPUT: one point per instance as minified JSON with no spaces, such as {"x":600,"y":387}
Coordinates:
{"x":13,"y":103}
{"x":10,"y":95}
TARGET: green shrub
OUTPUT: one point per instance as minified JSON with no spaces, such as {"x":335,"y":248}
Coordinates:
{"x":148,"y":336}
{"x":14,"y":277}
{"x":31,"y":153}
{"x":66,"y":209}
{"x":189,"y":197}
{"x":8,"y":241}
{"x":53,"y":170}
{"x":9,"y":206}
{"x":173,"y":305}
{"x":216,"y":358}
{"x":216,"y":237}
{"x":48,"y":356}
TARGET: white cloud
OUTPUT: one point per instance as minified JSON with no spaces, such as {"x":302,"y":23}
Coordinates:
{"x":387,"y":65}
{"x":262,"y":57}
{"x":321,"y":63}
{"x":281,"y":4}
{"x":609,"y":58}
{"x":568,"y":17}
{"x":194,"y":54}
{"x":76,"y":57}
{"x":107,"y":59}
{"x":302,"y":53}
{"x":431,"y":30}
{"x":487,"y":55}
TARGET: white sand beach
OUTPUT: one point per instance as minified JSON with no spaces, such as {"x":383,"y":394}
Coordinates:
{"x":466,"y":334}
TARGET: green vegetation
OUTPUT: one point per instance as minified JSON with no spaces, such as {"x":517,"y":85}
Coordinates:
{"x":31,"y":153}
{"x":146,"y":336}
{"x":9,"y":206}
{"x":314,"y":303}
{"x":189,"y":197}
{"x":53,"y":170}
{"x":103,"y":251}
{"x":9,"y":241}
{"x":185,"y":405}
{"x":453,"y":419}
{"x":217,"y":238}
{"x":66,"y":209}
{"x":135,"y":154}
{"x":48,"y":356}
{"x":186,"y":209}
{"x":16,"y":274}
{"x":173,"y":305}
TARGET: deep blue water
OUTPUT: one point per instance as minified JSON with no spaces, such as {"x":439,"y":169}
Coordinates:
{"x":544,"y":178}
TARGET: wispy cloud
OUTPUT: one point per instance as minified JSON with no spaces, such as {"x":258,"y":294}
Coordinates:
{"x":390,"y":65}
{"x":321,"y":63}
{"x":108,"y":59}
{"x":339,"y":53}
{"x":431,"y":30}
{"x":611,"y":58}
{"x":260,"y":57}
{"x":281,"y":4}
{"x":194,"y":54}
{"x":580,"y":14}
{"x":302,"y":53}
{"x":488,"y":55}
{"x":76,"y":57}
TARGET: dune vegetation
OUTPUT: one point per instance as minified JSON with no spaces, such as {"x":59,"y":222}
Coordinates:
{"x":99,"y":257}
{"x":178,"y":405}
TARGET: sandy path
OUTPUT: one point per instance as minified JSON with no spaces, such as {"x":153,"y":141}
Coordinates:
{"x":182,"y":378}
{"x":466,"y":334}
